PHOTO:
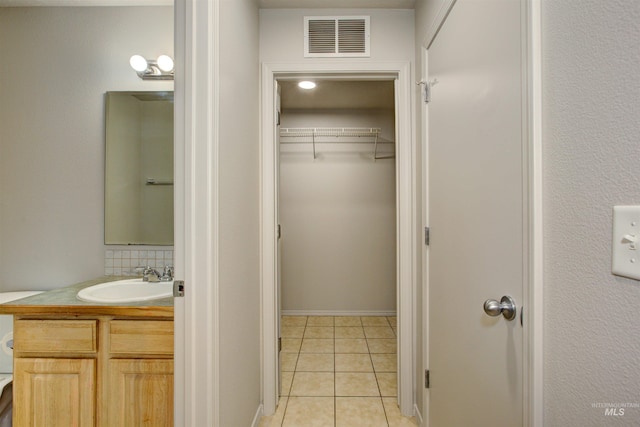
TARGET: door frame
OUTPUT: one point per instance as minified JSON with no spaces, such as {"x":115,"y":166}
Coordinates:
{"x":406,"y":220}
{"x":196,"y":143}
{"x":533,"y":297}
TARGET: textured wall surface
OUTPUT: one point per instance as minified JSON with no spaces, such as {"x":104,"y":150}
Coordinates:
{"x":591,"y":134}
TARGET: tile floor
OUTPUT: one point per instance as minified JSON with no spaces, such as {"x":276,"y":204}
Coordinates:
{"x":338,"y":372}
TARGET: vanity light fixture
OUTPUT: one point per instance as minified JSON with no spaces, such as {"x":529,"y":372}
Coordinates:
{"x":160,"y":69}
{"x":306,"y":84}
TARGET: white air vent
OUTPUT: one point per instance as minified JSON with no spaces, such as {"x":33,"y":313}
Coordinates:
{"x":336,"y":36}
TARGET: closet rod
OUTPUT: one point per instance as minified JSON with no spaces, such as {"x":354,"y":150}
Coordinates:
{"x":338,"y":133}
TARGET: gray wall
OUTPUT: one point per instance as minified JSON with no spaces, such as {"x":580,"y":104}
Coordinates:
{"x":57,"y":63}
{"x":281,"y":33}
{"x":591,"y":128}
{"x":338,"y":215}
{"x":239,"y":261}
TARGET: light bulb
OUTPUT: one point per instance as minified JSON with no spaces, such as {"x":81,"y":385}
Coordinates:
{"x":307,"y":85}
{"x":165,"y":63}
{"x":138,"y":63}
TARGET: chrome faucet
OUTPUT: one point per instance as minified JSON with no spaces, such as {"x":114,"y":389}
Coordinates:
{"x":150,"y":274}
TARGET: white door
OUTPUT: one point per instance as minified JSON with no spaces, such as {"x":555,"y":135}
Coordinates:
{"x":477,"y":201}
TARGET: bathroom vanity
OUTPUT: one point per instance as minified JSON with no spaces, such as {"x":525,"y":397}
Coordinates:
{"x":80,"y":363}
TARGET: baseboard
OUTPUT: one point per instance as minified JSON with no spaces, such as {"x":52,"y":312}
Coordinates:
{"x":257,"y":417}
{"x":338,"y":312}
{"x":418,"y":414}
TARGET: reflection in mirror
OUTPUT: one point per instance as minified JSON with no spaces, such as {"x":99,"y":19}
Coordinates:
{"x":139,"y":168}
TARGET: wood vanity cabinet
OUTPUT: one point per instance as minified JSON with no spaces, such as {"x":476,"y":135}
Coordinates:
{"x":100,"y":371}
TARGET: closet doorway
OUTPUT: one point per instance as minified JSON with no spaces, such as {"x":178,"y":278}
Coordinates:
{"x":337,"y":196}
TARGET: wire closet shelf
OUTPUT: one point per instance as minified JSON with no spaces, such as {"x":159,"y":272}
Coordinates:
{"x":351,"y":132}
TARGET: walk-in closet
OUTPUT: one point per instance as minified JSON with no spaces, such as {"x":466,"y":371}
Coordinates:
{"x":337,"y":197}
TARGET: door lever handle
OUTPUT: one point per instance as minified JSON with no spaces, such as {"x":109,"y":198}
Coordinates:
{"x":506,"y":307}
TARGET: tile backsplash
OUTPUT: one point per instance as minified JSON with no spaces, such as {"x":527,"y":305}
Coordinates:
{"x":123,"y":262}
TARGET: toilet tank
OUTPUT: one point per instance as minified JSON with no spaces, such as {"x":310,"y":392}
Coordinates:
{"x":6,"y":330}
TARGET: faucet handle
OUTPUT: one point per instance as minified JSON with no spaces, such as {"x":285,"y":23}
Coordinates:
{"x":149,"y":274}
{"x":167,"y":274}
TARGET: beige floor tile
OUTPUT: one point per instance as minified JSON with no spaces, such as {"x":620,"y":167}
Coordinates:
{"x":286,"y":378}
{"x":309,"y":412}
{"x":394,"y":416}
{"x":356,"y":384}
{"x":275,"y":420}
{"x":347,"y":321}
{"x":374,"y":321}
{"x":318,"y":332}
{"x":349,"y":332}
{"x":353,"y":363}
{"x":315,"y":362}
{"x":384,"y":362}
{"x":292,"y":331}
{"x":294,"y":320}
{"x":291,"y":345}
{"x":360,"y":412}
{"x":382,"y":345}
{"x":312,"y":384}
{"x":388,"y":383}
{"x":379,"y":332}
{"x":320,"y":321}
{"x":351,"y":345}
{"x":317,"y":345}
{"x":393,"y":321}
{"x":288,"y":361}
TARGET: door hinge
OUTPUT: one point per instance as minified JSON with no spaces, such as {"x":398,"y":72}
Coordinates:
{"x":279,"y":231}
{"x":178,"y":288}
{"x":279,"y":344}
{"x":427,"y":233}
{"x":426,"y":378}
{"x":425,"y":90}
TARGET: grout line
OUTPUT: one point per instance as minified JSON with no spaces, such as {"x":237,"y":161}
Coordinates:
{"x":335,"y":396}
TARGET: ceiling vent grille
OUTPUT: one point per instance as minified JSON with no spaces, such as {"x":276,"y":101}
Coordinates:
{"x":336,"y":36}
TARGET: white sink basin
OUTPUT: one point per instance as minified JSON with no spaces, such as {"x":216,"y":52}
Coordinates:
{"x":128,"y":290}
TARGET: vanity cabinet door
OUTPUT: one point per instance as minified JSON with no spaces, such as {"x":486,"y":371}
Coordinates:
{"x":54,"y":392}
{"x":140,"y":392}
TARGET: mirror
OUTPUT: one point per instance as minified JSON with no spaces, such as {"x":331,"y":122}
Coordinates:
{"x":139,"y":168}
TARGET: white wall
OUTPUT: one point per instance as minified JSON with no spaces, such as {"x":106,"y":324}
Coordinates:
{"x":591,"y":124}
{"x":57,"y":63}
{"x":281,"y":33}
{"x":238,"y":175}
{"x":338,"y":216}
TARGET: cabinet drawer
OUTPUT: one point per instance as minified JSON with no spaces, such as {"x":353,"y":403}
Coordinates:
{"x":55,"y":336}
{"x":150,"y":337}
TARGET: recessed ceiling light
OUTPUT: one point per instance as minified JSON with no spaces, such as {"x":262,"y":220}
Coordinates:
{"x":307,"y":85}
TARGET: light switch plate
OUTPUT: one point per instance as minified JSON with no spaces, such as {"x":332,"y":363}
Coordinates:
{"x":626,"y":242}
